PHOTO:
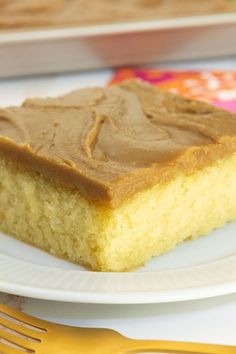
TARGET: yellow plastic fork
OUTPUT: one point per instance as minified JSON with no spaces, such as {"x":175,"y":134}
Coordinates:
{"x":21,"y":333}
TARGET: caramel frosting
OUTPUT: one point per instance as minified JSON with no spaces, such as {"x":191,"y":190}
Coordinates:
{"x":31,"y":13}
{"x":113,"y":142}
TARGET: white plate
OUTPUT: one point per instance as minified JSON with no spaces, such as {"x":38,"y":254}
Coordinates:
{"x":195,"y":269}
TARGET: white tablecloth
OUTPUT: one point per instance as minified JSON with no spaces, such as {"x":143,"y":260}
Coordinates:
{"x":209,"y":320}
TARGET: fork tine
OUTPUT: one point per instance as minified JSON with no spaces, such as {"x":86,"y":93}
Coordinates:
{"x":5,"y":349}
{"x":31,"y":334}
{"x":23,"y":343}
{"x":22,"y":317}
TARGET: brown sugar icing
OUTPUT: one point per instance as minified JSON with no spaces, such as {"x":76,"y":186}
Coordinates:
{"x":115,"y":141}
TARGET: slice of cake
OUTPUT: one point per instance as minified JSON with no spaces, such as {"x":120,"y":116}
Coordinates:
{"x":110,"y":177}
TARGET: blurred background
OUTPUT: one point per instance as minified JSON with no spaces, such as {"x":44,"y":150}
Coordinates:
{"x":40,"y":36}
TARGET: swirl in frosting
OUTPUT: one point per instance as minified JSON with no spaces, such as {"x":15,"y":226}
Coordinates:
{"x":112,"y":142}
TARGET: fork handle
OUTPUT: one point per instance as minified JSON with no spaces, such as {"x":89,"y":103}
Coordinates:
{"x":135,"y":346}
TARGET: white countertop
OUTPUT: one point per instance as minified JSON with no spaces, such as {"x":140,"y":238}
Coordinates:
{"x":209,"y":320}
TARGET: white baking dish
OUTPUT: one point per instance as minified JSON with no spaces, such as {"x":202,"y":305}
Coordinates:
{"x":79,"y":48}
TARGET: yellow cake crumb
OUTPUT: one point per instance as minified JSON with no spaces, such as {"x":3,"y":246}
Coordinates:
{"x":54,"y":217}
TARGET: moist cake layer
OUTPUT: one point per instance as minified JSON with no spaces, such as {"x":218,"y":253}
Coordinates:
{"x":113,"y":142}
{"x":31,"y":13}
{"x":58,"y":219}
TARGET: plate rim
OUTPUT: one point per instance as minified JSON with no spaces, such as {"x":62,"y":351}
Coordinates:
{"x":213,"y":289}
{"x":116,"y":298}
